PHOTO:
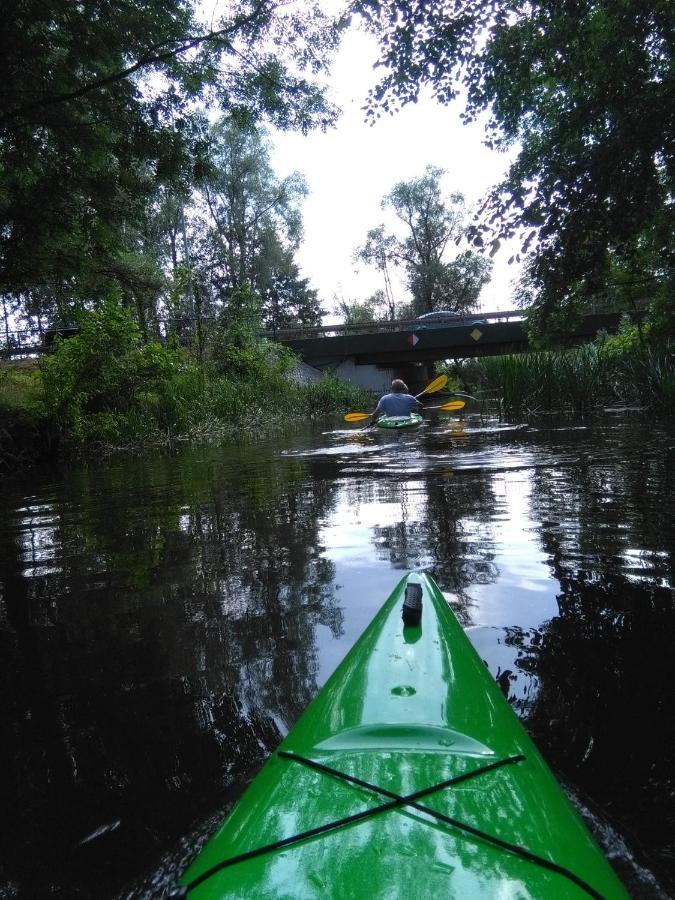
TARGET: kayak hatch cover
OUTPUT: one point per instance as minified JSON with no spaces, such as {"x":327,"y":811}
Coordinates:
{"x":400,"y":423}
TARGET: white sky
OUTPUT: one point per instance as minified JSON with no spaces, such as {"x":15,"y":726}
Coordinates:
{"x":351,"y":167}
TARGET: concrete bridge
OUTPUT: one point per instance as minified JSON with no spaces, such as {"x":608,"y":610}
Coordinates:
{"x":372,"y":353}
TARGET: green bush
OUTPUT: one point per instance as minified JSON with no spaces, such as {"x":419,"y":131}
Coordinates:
{"x":630,"y":340}
{"x":105,"y":384}
{"x":20,"y":388}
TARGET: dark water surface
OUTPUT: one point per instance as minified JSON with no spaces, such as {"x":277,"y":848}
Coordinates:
{"x":164,"y":620}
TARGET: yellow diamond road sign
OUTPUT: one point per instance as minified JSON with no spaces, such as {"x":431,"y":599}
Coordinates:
{"x":476,"y":334}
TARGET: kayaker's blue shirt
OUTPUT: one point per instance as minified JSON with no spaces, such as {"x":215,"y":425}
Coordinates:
{"x":396,"y":405}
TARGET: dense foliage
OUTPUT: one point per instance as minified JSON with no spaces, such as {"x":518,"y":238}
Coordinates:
{"x":107,"y":385}
{"x":247,"y":226}
{"x":100,"y":114}
{"x":616,"y":371}
{"x":586,"y":90}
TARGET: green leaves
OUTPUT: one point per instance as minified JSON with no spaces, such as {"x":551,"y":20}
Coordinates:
{"x":251,"y":227}
{"x":585,"y":89}
{"x":105,"y":384}
{"x":98,"y":112}
{"x":431,"y":223}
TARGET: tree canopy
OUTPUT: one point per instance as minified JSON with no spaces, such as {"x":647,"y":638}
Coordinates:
{"x":432,"y":224}
{"x":586,"y":90}
{"x":100,"y":108}
{"x":249,"y":227}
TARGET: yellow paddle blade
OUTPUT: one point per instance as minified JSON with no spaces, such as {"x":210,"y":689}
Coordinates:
{"x":435,"y":385}
{"x":357,"y":417}
{"x":452,"y":405}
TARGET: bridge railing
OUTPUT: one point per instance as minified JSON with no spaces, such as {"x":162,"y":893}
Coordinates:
{"x":27,"y":342}
{"x":376,"y":327}
{"x":32,"y":341}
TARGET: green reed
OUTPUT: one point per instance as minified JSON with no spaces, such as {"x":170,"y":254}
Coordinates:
{"x":579,"y":380}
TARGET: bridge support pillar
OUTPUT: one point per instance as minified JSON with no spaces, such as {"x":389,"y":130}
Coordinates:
{"x":379,"y":378}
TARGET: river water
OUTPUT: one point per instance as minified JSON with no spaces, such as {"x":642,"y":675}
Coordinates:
{"x":166,"y":617}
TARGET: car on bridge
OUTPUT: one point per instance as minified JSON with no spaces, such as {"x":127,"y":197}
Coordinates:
{"x":441,"y":318}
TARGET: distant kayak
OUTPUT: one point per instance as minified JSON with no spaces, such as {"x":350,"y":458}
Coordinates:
{"x":409,"y":776}
{"x":400,"y":423}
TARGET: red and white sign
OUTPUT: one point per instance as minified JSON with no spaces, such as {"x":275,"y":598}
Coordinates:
{"x":412,"y":339}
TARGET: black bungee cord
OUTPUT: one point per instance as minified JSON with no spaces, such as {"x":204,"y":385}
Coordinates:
{"x":396,"y":802}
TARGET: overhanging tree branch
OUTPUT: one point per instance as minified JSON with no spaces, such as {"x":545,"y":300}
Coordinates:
{"x":152,"y":56}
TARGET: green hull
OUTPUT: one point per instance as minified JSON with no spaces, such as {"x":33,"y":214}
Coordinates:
{"x":407,"y":708}
{"x":400,"y":423}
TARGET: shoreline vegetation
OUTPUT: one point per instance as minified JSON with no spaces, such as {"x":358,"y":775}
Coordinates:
{"x":624,"y":370}
{"x":107,"y":389}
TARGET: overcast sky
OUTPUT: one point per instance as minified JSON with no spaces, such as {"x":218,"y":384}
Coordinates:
{"x":351,"y":167}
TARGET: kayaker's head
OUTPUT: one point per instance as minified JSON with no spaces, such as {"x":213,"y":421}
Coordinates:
{"x":399,"y":387}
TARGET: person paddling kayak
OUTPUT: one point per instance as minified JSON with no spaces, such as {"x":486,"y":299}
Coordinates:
{"x":397,"y":409}
{"x":397,"y":403}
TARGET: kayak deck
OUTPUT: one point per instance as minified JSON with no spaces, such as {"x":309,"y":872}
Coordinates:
{"x":400,"y":423}
{"x":408,"y":709}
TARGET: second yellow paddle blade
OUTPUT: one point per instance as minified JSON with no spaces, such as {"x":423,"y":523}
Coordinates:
{"x":435,"y":385}
{"x":453,"y":405}
{"x":356,"y":417}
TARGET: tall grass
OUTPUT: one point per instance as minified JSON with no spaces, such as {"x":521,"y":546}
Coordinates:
{"x":647,"y":378}
{"x":579,"y":380}
{"x":240,"y":402}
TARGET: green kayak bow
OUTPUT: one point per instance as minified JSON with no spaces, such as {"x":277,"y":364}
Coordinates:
{"x":409,"y":776}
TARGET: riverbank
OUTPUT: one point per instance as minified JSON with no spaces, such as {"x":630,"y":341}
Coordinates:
{"x":25,"y":438}
{"x":25,"y":434}
{"x":108,"y":388}
{"x":37,"y":428}
{"x":619,"y":371}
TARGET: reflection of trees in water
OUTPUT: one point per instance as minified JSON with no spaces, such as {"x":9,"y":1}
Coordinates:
{"x":600,"y":509}
{"x":605,"y":714}
{"x":445,"y":527}
{"x":162,"y":656}
{"x":510,"y":655}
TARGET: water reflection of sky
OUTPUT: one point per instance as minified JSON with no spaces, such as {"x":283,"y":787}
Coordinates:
{"x":38,"y":538}
{"x":524,"y":593}
{"x":520,"y":591}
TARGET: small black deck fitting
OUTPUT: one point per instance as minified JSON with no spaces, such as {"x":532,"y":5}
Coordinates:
{"x":412,"y":605}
